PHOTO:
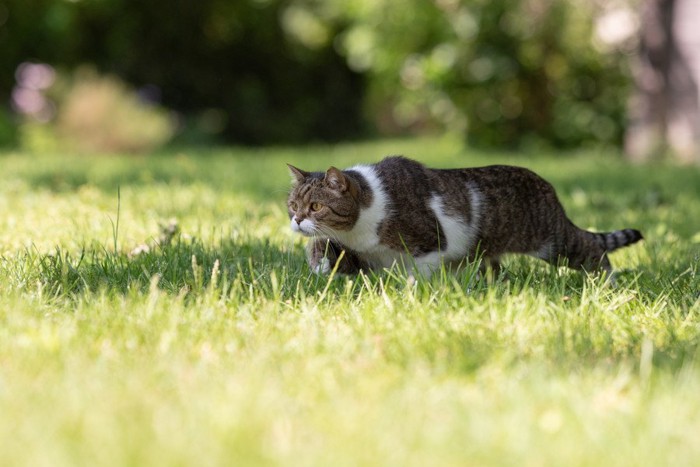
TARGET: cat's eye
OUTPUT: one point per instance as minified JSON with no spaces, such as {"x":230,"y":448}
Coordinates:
{"x":316,"y":206}
{"x":293,"y":205}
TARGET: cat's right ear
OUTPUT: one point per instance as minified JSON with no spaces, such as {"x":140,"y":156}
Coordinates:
{"x":298,"y":175}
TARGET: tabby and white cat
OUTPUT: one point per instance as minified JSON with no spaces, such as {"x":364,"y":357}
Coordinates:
{"x":399,"y":211}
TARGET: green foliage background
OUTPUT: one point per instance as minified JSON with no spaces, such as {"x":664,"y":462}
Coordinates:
{"x":506,"y":72}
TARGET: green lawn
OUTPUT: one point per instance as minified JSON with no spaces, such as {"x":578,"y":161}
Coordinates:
{"x":220,"y":348}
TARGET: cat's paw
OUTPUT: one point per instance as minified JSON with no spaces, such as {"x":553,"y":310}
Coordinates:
{"x":323,"y":267}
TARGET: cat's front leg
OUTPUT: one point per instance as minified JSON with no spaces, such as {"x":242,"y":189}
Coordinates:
{"x":320,"y":256}
{"x":323,"y":255}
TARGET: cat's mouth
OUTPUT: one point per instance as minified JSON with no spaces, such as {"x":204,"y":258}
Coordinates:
{"x":305,"y":228}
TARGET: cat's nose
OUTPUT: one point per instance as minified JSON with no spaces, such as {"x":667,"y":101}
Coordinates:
{"x":297,"y":220}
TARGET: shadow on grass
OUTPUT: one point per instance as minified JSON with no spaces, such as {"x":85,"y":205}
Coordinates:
{"x":260,"y":269}
{"x":183,"y":267}
{"x":260,"y":272}
{"x":187,"y":266}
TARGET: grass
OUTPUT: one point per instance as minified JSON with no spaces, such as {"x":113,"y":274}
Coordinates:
{"x":119,"y":346}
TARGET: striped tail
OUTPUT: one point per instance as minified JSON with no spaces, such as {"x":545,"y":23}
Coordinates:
{"x":611,"y":241}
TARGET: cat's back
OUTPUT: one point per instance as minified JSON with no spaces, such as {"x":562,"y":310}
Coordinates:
{"x":502,"y":193}
{"x":394,"y":168}
{"x":403,"y":179}
{"x":492,"y":176}
{"x":404,"y":176}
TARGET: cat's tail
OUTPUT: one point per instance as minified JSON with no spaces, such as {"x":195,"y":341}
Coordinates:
{"x":611,"y":241}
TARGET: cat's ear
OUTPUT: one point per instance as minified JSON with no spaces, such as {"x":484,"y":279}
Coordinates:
{"x":298,"y":175}
{"x":336,"y":180}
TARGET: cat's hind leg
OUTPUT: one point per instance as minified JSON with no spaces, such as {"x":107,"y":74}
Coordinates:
{"x":489,"y":268}
{"x":493,"y":264}
{"x":577,"y":251}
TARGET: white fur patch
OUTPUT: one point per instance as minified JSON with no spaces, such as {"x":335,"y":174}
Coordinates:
{"x":460,"y":234}
{"x":364,"y":237}
{"x":323,"y":267}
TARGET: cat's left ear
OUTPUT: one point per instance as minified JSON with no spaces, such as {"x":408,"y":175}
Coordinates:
{"x":298,"y":175}
{"x":336,"y":180}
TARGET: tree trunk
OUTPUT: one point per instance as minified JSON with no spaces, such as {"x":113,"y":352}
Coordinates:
{"x":664,"y":110}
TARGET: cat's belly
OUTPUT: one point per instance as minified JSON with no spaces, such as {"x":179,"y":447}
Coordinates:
{"x":382,"y":256}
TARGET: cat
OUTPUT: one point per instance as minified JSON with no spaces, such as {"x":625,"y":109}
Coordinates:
{"x":398,"y":211}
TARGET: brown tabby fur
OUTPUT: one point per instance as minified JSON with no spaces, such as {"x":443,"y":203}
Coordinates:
{"x":516,"y":212}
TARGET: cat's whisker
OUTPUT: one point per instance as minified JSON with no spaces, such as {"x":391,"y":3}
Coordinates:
{"x":327,"y":233}
{"x":323,"y":232}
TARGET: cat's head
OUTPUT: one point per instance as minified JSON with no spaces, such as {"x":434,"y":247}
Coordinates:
{"x":322,"y":203}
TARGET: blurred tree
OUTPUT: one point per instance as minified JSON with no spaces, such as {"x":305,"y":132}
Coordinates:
{"x":509,"y":72}
{"x":8,"y":131}
{"x":506,"y":72}
{"x":227,"y":66}
{"x":665,"y":108}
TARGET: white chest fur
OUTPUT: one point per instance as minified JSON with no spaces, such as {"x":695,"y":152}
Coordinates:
{"x":364,"y":237}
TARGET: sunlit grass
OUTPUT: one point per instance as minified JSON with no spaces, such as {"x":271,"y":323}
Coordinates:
{"x":121,"y":346}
